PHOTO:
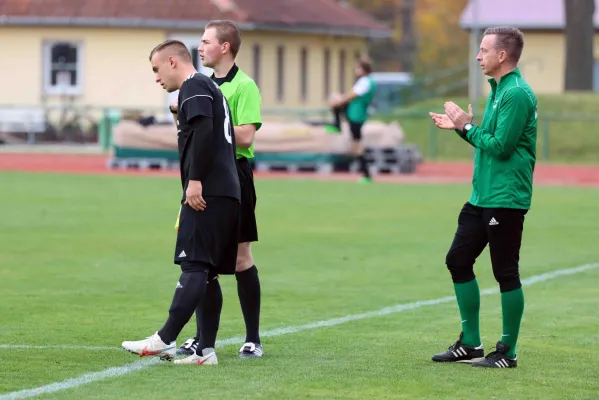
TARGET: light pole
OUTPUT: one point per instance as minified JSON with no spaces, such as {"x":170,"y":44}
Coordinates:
{"x":475,"y":80}
{"x":475,"y":72}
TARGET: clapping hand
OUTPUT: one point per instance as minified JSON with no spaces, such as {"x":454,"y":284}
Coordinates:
{"x":458,"y":117}
{"x":454,"y":117}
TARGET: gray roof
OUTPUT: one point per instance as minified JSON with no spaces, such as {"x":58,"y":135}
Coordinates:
{"x":523,"y":14}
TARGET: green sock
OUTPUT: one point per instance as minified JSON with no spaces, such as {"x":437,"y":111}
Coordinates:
{"x":468,"y":295}
{"x":512,"y":308}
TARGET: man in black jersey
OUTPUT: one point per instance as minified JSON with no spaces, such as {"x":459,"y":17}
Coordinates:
{"x":220,"y":45}
{"x":208,"y":225}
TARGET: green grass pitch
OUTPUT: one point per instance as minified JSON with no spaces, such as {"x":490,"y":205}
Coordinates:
{"x":87,"y":261}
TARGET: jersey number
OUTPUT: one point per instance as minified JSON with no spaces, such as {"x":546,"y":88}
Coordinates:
{"x":227,"y":122}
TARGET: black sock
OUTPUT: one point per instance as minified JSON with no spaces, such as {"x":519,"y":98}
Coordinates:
{"x":337,"y":114}
{"x":189,"y":292}
{"x":363,"y":166}
{"x":208,"y":316}
{"x":248,"y":289}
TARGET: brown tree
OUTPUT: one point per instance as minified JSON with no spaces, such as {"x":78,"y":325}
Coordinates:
{"x":442,"y":43}
{"x":427,"y":36}
{"x":580,"y":32}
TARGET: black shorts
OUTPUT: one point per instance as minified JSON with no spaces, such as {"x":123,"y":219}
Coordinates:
{"x":501,"y":229}
{"x":355,"y":129}
{"x":248,"y":228}
{"x":209,"y":237}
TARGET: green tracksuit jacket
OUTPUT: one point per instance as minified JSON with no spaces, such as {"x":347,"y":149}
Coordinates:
{"x":505,"y":145}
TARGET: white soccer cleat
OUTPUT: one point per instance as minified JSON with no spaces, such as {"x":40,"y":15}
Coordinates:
{"x":152,"y":346}
{"x":208,"y":357}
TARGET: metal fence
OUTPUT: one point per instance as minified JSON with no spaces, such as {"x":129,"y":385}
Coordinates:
{"x":93,"y":124}
{"x":561,"y":138}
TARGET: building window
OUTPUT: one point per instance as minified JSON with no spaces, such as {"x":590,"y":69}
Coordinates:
{"x":256,"y":61}
{"x":280,"y":73}
{"x":342,"y":68}
{"x":63,"y":68}
{"x":358,"y":57}
{"x":304,"y":74}
{"x":197,"y":61}
{"x":326,"y":85}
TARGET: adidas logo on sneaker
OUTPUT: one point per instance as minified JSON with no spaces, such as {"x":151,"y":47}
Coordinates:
{"x":251,"y":350}
{"x":498,"y":358}
{"x":460,"y":353}
{"x":189,"y":347}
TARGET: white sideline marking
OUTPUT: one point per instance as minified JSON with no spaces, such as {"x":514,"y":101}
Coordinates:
{"x":143,"y":364}
{"x":82,"y":380}
{"x":61,"y":347}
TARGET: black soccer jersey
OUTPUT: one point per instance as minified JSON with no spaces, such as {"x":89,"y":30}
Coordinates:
{"x":206,"y":138}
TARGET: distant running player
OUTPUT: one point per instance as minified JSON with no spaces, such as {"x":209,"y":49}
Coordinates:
{"x":355,"y":106}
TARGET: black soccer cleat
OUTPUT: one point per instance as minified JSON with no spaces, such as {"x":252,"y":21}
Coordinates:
{"x":188,"y":348}
{"x":498,"y":358}
{"x":461,"y":353}
{"x":251,"y":350}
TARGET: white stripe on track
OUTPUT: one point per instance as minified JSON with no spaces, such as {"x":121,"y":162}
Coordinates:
{"x":143,"y":364}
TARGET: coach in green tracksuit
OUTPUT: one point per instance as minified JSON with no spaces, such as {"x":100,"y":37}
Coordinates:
{"x":504,"y":162}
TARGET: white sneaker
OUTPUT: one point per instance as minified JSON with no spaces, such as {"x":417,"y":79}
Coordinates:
{"x":152,"y":346}
{"x":208,"y":357}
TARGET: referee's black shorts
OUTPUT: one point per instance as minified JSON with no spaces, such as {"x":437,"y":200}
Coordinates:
{"x":248,"y":228}
{"x":209,"y":237}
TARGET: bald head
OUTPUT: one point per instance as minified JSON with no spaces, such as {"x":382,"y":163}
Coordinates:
{"x":172,"y":48}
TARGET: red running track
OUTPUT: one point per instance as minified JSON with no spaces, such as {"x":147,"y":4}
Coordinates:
{"x":429,"y":172}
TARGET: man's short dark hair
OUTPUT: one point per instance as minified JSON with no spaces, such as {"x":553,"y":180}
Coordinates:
{"x":509,"y":39}
{"x":366,"y":65}
{"x":227,"y":32}
{"x":177,"y":47}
